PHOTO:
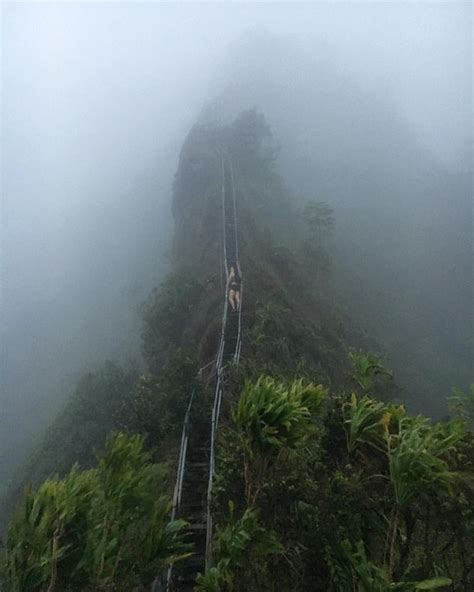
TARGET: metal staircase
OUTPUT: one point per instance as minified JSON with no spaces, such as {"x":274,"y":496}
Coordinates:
{"x":196,"y":464}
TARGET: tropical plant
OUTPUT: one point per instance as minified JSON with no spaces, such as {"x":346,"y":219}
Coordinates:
{"x":417,"y":465}
{"x":363,"y":422}
{"x":367,"y":577}
{"x":47,"y":526}
{"x":234,"y":544}
{"x":416,"y":454}
{"x":103,"y":528}
{"x":271,"y":419}
{"x":366,"y":367}
{"x":128,"y":521}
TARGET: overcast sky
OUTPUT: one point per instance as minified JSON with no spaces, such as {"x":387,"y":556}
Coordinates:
{"x":98,"y":95}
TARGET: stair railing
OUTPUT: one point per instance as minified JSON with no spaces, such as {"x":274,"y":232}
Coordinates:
{"x":178,"y":488}
{"x":219,"y":391}
{"x":234,"y":207}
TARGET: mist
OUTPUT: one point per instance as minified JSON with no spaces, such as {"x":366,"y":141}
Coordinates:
{"x":371,"y":104}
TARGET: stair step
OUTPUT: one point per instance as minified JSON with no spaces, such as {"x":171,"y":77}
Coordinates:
{"x":196,"y":482}
{"x":192,"y":505}
{"x":197,"y":469}
{"x":195,"y":514}
{"x":200,"y":526}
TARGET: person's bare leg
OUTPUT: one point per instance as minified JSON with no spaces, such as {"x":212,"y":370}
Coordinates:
{"x":231,"y":299}
{"x":237,"y":300}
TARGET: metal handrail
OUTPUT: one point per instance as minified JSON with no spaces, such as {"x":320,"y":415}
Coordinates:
{"x":234,"y":208}
{"x":178,"y":489}
{"x":219,"y":390}
{"x":239,"y":330}
{"x":237,"y":260}
{"x":224,"y":236}
{"x":212,"y":461}
{"x":219,"y":367}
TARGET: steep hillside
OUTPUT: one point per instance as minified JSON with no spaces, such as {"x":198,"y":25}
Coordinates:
{"x":401,"y":262}
{"x":315,"y":480}
{"x":290,"y":326}
{"x":288,"y":319}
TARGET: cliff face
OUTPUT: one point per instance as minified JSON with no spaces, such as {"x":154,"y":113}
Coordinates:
{"x":196,"y":198}
{"x":289,"y":323}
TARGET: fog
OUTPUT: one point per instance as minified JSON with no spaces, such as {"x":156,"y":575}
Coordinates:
{"x":371,"y":103}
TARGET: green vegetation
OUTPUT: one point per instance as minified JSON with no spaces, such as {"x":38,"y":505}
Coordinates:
{"x":366,"y":368}
{"x":313,"y":492}
{"x":103,"y":529}
{"x":270,"y":421}
{"x":360,"y":495}
{"x":324,"y":480}
{"x":243,"y":545}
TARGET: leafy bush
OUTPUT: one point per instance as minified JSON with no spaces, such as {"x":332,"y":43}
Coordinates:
{"x":367,"y":367}
{"x":376,"y":512}
{"x":272,"y":418}
{"x":240,"y":545}
{"x":105,"y":528}
{"x":367,"y":577}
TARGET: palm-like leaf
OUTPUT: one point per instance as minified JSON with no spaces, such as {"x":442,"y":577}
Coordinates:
{"x":366,"y":368}
{"x":367,"y":577}
{"x":416,"y":456}
{"x":364,"y":422}
{"x":234,"y":544}
{"x":105,"y":528}
{"x":271,"y":416}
